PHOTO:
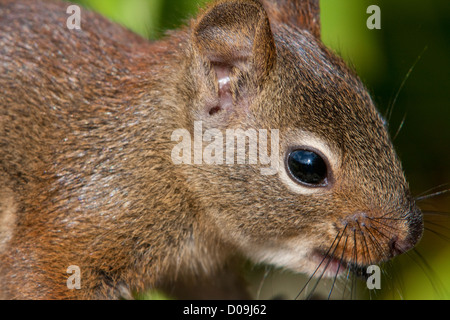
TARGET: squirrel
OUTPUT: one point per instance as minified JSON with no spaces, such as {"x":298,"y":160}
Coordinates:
{"x":88,"y":177}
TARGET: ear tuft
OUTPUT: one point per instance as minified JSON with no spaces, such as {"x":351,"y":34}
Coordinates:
{"x":236,"y":34}
{"x":304,"y":14}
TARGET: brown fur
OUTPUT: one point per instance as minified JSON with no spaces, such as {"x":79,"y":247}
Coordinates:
{"x":86,"y":176}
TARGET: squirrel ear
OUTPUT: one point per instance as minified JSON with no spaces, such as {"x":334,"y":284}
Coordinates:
{"x":236,"y":34}
{"x":304,"y":14}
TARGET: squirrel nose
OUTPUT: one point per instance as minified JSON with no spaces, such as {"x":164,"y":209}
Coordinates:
{"x":415,"y":229}
{"x":398,"y":246}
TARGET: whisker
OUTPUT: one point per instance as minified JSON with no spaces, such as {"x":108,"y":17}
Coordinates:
{"x":326,"y":266}
{"x":431,"y":189}
{"x":391,"y":107}
{"x":339,"y":266}
{"x":364,"y":242}
{"x":378,"y":248}
{"x":354,"y":289}
{"x":375,"y":242}
{"x":356,"y":262}
{"x":387,"y":218}
{"x":381,"y":233}
{"x":396,"y":279}
{"x":261,"y":284}
{"x":438,"y":193}
{"x":400,"y":127}
{"x":389,"y":227}
{"x":428,"y":271}
{"x":317,"y":268}
{"x":438,"y":225}
{"x":438,"y":234}
{"x":430,"y":213}
{"x":348,"y":277}
{"x":384,"y":254}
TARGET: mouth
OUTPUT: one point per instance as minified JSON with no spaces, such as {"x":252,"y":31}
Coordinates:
{"x":329,"y":266}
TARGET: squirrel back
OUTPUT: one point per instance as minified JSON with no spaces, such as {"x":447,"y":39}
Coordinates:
{"x":90,"y":121}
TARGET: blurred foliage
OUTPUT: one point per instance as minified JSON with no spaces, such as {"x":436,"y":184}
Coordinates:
{"x":149,"y":18}
{"x":152,"y":295}
{"x":405,"y":63}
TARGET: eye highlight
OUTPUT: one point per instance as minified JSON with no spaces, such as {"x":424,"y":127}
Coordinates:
{"x":308,"y":168}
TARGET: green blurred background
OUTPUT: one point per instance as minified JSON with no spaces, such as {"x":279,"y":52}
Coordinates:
{"x":406,"y":62}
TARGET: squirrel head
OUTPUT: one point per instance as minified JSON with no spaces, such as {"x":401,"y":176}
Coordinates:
{"x":336,"y":189}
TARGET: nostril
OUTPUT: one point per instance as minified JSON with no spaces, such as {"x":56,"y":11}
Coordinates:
{"x":398,"y":246}
{"x":402,"y":242}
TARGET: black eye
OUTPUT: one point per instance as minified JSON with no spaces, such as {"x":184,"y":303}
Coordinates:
{"x":307,"y":167}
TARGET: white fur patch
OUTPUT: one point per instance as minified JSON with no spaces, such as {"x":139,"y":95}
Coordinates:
{"x":297,"y":255}
{"x":293,"y":256}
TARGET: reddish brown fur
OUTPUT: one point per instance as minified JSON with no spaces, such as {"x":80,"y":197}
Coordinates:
{"x":86,"y":176}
